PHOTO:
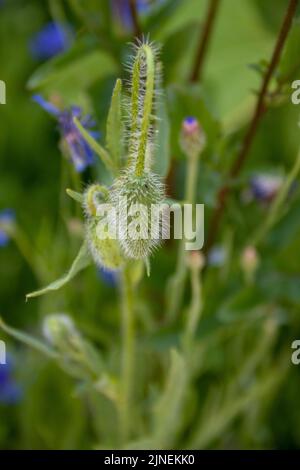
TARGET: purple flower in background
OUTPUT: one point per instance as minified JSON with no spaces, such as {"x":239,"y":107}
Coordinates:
{"x":265,"y":187}
{"x":80,"y":152}
{"x":217,"y":256}
{"x":7,"y":220}
{"x":121,"y":8}
{"x":10,"y":391}
{"x":109,"y":278}
{"x":53,"y":39}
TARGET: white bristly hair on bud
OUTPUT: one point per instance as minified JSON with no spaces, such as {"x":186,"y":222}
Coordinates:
{"x":105,"y":251}
{"x":137,"y":185}
{"x":138,"y":193}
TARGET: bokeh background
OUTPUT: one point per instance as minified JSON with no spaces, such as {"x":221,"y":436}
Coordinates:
{"x":244,"y":392}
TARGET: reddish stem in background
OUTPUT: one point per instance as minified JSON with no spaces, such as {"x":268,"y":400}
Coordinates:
{"x":135,"y":19}
{"x":204,"y":40}
{"x":255,"y":121}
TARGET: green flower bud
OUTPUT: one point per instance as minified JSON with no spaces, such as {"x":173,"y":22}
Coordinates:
{"x":60,"y":330}
{"x":133,"y":196}
{"x":76,"y":355}
{"x":104,"y":249}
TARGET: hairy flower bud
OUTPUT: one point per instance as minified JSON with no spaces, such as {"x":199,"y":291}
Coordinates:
{"x":105,"y":249}
{"x":134,"y":196}
{"x":192,"y":137}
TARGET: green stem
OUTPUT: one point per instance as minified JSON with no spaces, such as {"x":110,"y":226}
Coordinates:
{"x":177,"y":282}
{"x":195,"y":308}
{"x":128,"y":337}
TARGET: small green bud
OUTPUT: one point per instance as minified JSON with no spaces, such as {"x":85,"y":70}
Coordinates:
{"x":76,"y":355}
{"x":60,"y":330}
{"x":192,"y":137}
{"x":105,"y":250}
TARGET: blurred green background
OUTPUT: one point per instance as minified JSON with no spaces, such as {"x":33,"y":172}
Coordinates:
{"x":244,"y":388}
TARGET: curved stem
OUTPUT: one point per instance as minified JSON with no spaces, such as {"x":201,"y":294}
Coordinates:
{"x":256,"y":118}
{"x":141,"y":105}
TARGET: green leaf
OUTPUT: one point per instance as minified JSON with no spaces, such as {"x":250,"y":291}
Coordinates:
{"x":98,"y":149}
{"x":290,"y":62}
{"x":74,"y":71}
{"x":28,"y":340}
{"x":162,"y":153}
{"x":114,"y":128}
{"x":78,"y":197}
{"x":81,"y":261}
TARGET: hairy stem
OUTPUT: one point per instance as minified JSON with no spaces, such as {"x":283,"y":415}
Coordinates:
{"x":127,"y":354}
{"x":255,"y":121}
{"x":204,"y":41}
{"x":145,"y":54}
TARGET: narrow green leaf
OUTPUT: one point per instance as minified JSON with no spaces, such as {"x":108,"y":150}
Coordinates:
{"x":65,"y":71}
{"x":78,"y":197}
{"x":114,"y":128}
{"x":81,"y":261}
{"x":98,"y":149}
{"x":28,"y":340}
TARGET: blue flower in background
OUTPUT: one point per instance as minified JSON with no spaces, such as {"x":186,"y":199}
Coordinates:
{"x":80,"y":152}
{"x":217,"y":256}
{"x":265,"y":187}
{"x":7,"y":220}
{"x":53,"y":39}
{"x":109,"y":278}
{"x":10,"y":391}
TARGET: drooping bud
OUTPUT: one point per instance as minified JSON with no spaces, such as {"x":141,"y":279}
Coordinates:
{"x":192,"y":137}
{"x":104,"y":248}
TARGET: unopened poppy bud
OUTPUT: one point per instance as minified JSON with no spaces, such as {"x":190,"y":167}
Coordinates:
{"x":105,"y":249}
{"x":134,"y":197}
{"x":192,"y":137}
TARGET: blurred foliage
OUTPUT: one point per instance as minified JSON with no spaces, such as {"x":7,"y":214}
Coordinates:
{"x":236,"y":388}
